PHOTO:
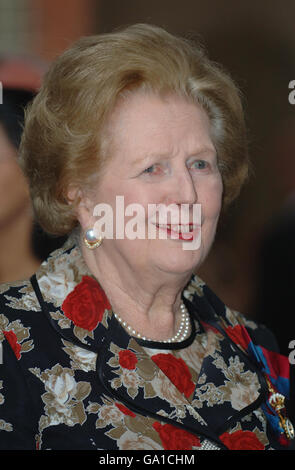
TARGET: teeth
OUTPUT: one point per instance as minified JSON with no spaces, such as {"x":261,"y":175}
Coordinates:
{"x":186,"y":228}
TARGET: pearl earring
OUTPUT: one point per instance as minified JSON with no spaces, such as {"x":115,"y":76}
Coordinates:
{"x":90,"y":240}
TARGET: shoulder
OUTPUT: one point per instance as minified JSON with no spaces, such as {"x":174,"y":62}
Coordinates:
{"x":213,"y":309}
{"x":259,"y":333}
{"x":18,"y":294}
{"x":20,"y":297}
{"x":16,"y":300}
{"x":18,"y":306}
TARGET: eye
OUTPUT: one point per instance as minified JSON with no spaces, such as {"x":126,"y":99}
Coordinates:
{"x":199,"y":165}
{"x":150,"y":169}
{"x":155,"y":169}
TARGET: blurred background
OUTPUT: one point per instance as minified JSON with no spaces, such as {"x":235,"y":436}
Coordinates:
{"x":252,"y":265}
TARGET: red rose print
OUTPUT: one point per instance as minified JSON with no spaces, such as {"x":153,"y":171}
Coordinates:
{"x":239,"y":335}
{"x":125,"y":410}
{"x":284,"y":441}
{"x":86,"y":304}
{"x":174,"y":438}
{"x":127,"y":359}
{"x":12,"y":340}
{"x":208,"y":327}
{"x":241,"y":440}
{"x":177,"y":371}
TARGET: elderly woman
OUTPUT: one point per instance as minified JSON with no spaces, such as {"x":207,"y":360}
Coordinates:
{"x":114,"y":343}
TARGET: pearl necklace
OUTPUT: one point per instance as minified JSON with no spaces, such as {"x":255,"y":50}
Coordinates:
{"x":181,"y":335}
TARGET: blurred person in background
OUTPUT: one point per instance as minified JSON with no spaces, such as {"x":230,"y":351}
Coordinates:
{"x":22,"y":243}
{"x":275,"y":266}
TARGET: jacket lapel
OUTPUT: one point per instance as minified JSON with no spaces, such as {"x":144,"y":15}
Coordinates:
{"x":130,"y":375}
{"x":72,"y":298}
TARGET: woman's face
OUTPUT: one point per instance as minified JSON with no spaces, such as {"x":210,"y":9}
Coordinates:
{"x":14,"y":193}
{"x":161,"y":152}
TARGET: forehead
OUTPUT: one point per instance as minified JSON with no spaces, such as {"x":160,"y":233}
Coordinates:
{"x":143,"y":124}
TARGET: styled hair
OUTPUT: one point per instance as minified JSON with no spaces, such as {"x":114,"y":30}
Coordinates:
{"x":63,"y":142}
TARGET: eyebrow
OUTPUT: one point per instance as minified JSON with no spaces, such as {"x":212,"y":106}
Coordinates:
{"x":167,"y":155}
{"x":150,"y":156}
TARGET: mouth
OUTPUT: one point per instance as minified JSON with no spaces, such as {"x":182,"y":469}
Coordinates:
{"x":185,"y":232}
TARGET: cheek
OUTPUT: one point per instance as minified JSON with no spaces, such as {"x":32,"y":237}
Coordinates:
{"x":128,"y":203}
{"x":211,"y":198}
{"x":12,"y":182}
{"x":14,"y":192}
{"x":136,"y":202}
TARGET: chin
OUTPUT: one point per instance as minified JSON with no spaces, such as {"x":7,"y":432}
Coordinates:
{"x":184,"y":262}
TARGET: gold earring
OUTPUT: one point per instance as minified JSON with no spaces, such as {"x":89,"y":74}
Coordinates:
{"x":90,"y":240}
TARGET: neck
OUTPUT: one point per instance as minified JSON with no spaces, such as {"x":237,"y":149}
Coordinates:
{"x":148,"y":301}
{"x":17,"y":260}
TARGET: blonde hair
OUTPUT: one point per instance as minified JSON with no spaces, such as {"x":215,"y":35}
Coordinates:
{"x":63,"y":140}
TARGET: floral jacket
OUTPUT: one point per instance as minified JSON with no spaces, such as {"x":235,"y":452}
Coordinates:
{"x":72,"y":378}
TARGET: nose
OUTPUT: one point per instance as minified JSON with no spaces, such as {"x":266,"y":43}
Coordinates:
{"x":183,"y":189}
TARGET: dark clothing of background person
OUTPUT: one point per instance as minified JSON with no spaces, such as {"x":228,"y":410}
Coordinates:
{"x":276,"y":285}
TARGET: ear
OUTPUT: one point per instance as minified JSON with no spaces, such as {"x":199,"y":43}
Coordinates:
{"x":84,"y":206}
